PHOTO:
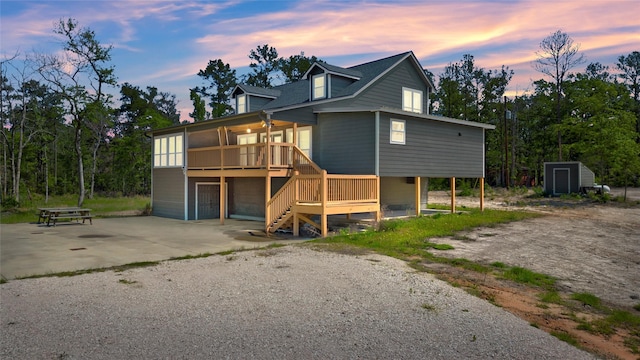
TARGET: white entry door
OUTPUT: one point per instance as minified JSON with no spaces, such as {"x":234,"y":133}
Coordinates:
{"x":247,"y":153}
{"x":276,"y":137}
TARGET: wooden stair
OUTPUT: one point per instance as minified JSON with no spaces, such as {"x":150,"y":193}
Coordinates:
{"x":310,"y":192}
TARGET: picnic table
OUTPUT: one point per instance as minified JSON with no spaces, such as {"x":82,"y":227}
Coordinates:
{"x":54,"y":214}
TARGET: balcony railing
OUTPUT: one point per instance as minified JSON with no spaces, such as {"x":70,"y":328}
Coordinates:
{"x":251,"y":156}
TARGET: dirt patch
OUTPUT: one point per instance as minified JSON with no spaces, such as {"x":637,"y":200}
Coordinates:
{"x":589,"y":247}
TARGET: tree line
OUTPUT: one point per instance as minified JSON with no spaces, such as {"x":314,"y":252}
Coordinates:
{"x":62,"y":131}
{"x":591,"y":116}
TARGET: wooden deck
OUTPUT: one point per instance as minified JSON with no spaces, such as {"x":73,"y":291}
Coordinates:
{"x":322,"y":194}
{"x":309,"y":191}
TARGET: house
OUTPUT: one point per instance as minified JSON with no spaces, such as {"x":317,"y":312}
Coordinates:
{"x":566,"y":177}
{"x":339,"y":141}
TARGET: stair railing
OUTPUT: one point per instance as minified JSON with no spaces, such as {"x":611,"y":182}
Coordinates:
{"x":282,"y":201}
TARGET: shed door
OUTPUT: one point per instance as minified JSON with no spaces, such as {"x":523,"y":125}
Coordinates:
{"x":208,"y":201}
{"x":561,"y":181}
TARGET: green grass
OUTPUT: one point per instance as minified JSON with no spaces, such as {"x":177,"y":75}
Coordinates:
{"x":636,"y":307}
{"x":403,"y":238}
{"x":127,"y":282}
{"x":409,"y":238}
{"x":525,"y":276}
{"x":428,"y":307}
{"x":614,"y":319}
{"x":439,"y":246}
{"x":568,"y":338}
{"x":587,"y":299}
{"x":446,"y":207}
{"x":551,"y":297}
{"x":100,"y":206}
{"x":624,"y":319}
{"x":118,"y":268}
{"x":188,"y":257}
{"x":633,"y":343}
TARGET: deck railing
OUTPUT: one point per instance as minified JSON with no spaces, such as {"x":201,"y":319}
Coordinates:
{"x":322,"y":190}
{"x":250,"y":156}
{"x":352,"y":188}
{"x":309,"y":186}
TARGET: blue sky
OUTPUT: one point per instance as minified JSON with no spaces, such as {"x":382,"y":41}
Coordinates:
{"x":165,"y":43}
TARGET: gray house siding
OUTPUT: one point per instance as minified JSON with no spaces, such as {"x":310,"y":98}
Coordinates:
{"x":348,"y":137}
{"x":198,"y":139}
{"x":387,"y":91}
{"x":246,"y":197}
{"x":346,"y":143}
{"x":192,"y":193}
{"x":338,"y":83}
{"x":257,"y":103}
{"x":168,"y":193}
{"x":432,"y":149}
{"x":300,"y":115}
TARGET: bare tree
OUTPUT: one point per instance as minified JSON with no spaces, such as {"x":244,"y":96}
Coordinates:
{"x":19,"y":108}
{"x":557,"y":56}
{"x":83,"y":63}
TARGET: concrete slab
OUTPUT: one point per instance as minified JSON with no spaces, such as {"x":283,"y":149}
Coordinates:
{"x":36,"y":249}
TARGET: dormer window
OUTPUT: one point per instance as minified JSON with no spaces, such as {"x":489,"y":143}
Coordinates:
{"x":241,"y":104}
{"x":319,"y":87}
{"x":412,"y":100}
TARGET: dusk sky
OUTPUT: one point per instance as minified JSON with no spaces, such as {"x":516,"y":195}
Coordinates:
{"x":165,"y":43}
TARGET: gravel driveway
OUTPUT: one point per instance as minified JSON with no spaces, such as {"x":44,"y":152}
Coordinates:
{"x":285,"y":303}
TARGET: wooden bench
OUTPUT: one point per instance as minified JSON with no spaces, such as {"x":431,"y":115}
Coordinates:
{"x":71,"y":217}
{"x":43,"y":214}
{"x":55,"y":214}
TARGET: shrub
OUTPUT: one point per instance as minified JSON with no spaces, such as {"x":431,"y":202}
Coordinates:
{"x":10,"y":203}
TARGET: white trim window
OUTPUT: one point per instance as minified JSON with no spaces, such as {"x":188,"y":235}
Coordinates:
{"x":398,"y":132}
{"x":241,"y":104}
{"x":248,"y":154}
{"x":304,"y":139}
{"x":319,"y":90}
{"x":412,"y":100}
{"x":167,"y":151}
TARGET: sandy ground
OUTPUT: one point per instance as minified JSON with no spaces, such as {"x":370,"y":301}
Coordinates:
{"x":589,"y":247}
{"x":284,"y":303}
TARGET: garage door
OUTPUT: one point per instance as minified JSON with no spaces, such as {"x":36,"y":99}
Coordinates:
{"x":208,"y":198}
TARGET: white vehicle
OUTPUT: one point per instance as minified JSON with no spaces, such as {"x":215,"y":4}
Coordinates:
{"x":601,"y":189}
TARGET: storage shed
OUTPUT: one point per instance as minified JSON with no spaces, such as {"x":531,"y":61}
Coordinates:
{"x":567,"y":177}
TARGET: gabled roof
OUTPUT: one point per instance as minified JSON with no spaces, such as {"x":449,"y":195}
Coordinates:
{"x":371,"y":71}
{"x":332,"y":69}
{"x":257,"y":91}
{"x":297,"y":94}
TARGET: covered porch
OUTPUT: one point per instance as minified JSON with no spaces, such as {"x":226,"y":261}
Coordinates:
{"x":259,"y":147}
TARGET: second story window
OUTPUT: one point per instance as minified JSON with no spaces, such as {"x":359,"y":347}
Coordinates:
{"x":398,"y":132}
{"x":319,"y":87}
{"x":167,"y":151}
{"x":241,"y":104}
{"x":412,"y":100}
